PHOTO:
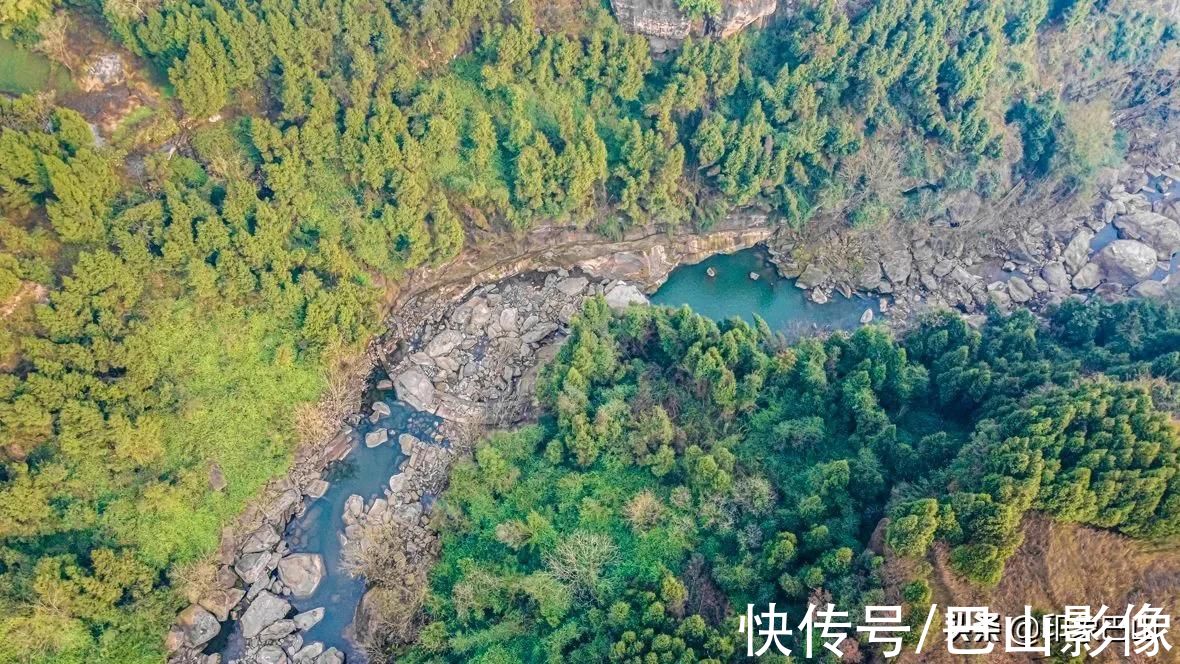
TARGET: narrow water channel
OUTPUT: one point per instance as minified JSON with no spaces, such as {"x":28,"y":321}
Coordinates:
{"x":733,"y":292}
{"x":364,"y":472}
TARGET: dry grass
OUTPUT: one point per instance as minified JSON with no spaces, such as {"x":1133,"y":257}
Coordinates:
{"x":195,"y":579}
{"x":1058,"y":565}
{"x":316,"y":422}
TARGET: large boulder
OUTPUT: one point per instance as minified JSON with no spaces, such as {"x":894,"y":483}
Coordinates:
{"x":414,"y":388}
{"x":813,"y":275}
{"x":1087,"y":278}
{"x":266,"y":610}
{"x":1156,"y":230}
{"x":1077,"y":251}
{"x":302,"y":572}
{"x":444,"y":342}
{"x":1149,"y":289}
{"x":898,"y":266}
{"x":197,"y":625}
{"x":624,"y":295}
{"x":221,"y":601}
{"x":1127,"y":260}
{"x":1019,"y":290}
{"x":1055,"y":275}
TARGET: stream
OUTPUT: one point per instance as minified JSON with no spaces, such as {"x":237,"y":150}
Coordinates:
{"x":365,"y":472}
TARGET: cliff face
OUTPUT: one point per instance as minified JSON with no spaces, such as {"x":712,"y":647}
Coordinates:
{"x":663,"y":20}
{"x":653,"y":18}
{"x":737,"y":14}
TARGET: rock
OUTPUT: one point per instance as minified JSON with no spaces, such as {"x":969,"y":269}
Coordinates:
{"x":897,"y":266}
{"x":264,"y":611}
{"x":376,"y":437}
{"x":447,"y":363}
{"x":754,"y":276}
{"x":1077,"y":251}
{"x":818,"y":296}
{"x":1038,"y":284}
{"x":538,"y":332}
{"x":869,"y":276}
{"x":221,"y":601}
{"x":1158,"y":231}
{"x":1087,"y":278}
{"x":270,"y":654}
{"x":507,"y":319}
{"x":624,"y":295}
{"x":381,"y":409}
{"x":197,"y":625}
{"x":1127,"y":260}
{"x":866,"y":317}
{"x":444,"y":342}
{"x":317,"y":488}
{"x":407,"y":443}
{"x":737,"y":14}
{"x":102,"y":72}
{"x":217,"y":481}
{"x":280,"y":511}
{"x":813,"y":275}
{"x":480,"y":315}
{"x":302,"y":572}
{"x":278,"y":630}
{"x":1055,"y":275}
{"x":309,"y":619}
{"x":309,"y":653}
{"x":385,"y":384}
{"x":354,"y":507}
{"x":252,"y":566}
{"x":710,"y":272}
{"x":1149,"y":289}
{"x":1019,"y":290}
{"x":572,"y":286}
{"x":330,"y":656}
{"x":415,"y":388}
{"x":264,"y":538}
{"x":661,"y":19}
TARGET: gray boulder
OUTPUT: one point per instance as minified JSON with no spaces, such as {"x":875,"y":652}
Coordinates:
{"x":309,"y":619}
{"x":623,"y":295}
{"x":415,"y":388}
{"x":1019,"y":290}
{"x":252,"y":566}
{"x":197,"y":625}
{"x":264,"y":611}
{"x":898,"y":266}
{"x":444,"y":342}
{"x":278,"y":630}
{"x":270,"y":654}
{"x":407,"y":443}
{"x":1077,"y":251}
{"x":1161,"y":233}
{"x":1055,"y":275}
{"x":813,"y":275}
{"x":376,"y":437}
{"x":1128,"y":260}
{"x":1149,"y":289}
{"x":573,"y":285}
{"x":381,"y":409}
{"x":302,"y":572}
{"x":221,"y":601}
{"x":1087,"y":278}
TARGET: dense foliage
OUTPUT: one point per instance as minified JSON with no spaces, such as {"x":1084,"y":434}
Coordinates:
{"x":683,"y":469}
{"x":166,"y":311}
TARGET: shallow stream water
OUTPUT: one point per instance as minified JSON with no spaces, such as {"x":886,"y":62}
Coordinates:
{"x":731,"y":292}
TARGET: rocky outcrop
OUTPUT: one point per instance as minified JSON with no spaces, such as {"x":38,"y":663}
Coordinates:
{"x":737,"y":14}
{"x":663,"y":20}
{"x":302,"y":573}
{"x":490,"y":343}
{"x":652,"y":18}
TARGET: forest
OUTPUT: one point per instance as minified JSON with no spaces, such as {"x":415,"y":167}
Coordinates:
{"x":307,"y":155}
{"x":682,"y":469}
